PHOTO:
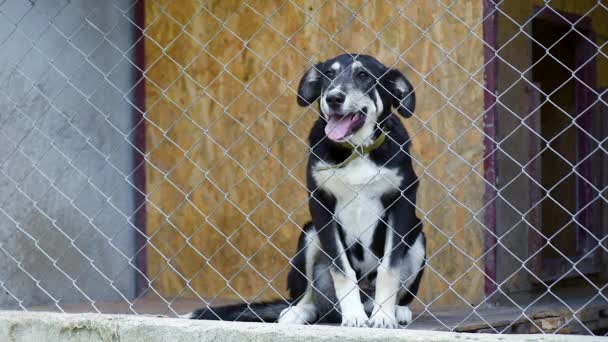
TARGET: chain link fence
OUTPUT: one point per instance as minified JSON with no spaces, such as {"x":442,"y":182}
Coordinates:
{"x":153,"y":156}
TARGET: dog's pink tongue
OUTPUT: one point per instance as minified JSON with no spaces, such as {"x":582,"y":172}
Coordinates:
{"x":338,"y":127}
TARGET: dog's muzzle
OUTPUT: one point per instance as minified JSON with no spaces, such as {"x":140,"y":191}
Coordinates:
{"x":341,"y":125}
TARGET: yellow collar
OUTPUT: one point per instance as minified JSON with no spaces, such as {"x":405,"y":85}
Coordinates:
{"x":358,"y":151}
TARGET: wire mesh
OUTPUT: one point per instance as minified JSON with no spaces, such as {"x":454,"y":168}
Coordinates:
{"x":153,"y":157}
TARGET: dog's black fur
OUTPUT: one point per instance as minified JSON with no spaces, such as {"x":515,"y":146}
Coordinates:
{"x":338,"y":244}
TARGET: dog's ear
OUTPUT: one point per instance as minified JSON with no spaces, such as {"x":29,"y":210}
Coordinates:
{"x":402,"y":92}
{"x":309,"y":89}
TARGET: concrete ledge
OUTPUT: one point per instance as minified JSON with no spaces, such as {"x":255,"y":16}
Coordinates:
{"x":18,"y":326}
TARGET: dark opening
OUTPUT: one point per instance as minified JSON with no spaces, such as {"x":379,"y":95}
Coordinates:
{"x":553,"y":55}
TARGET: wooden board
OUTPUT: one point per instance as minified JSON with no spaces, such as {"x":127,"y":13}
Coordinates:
{"x":226,"y":142}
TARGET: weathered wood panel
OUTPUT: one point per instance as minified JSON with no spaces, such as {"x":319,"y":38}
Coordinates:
{"x":226,"y":142}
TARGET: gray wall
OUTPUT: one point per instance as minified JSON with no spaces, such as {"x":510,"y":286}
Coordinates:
{"x":65,"y":156}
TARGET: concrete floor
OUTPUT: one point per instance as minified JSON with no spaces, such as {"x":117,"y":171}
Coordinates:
{"x":545,"y":316}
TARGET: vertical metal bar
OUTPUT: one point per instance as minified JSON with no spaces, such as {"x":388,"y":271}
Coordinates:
{"x":490,"y":35}
{"x":141,"y":263}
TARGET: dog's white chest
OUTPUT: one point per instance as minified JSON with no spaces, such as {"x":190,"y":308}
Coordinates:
{"x":358,"y":188}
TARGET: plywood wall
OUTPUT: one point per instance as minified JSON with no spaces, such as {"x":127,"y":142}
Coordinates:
{"x":226,"y":142}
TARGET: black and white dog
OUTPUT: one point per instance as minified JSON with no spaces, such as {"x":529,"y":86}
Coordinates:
{"x":360,"y":260}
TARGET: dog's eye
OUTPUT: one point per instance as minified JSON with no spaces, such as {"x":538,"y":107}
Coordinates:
{"x":330,"y":73}
{"x":362,"y":75}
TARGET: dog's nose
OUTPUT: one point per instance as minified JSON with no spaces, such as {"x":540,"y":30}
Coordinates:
{"x":335,"y":100}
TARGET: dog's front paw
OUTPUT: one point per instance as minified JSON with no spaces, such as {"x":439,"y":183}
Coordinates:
{"x":403,"y":314}
{"x":383,"y":319}
{"x":354,"y":320}
{"x":296,"y":315}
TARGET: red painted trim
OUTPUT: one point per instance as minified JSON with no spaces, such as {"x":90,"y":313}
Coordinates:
{"x":141,"y":262}
{"x":535,"y":240}
{"x":584,"y":99}
{"x":490,"y":35}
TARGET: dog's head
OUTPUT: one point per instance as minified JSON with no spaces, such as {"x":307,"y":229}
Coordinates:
{"x":355,"y":92}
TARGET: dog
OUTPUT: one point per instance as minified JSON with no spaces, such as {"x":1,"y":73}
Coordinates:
{"x":361,"y":258}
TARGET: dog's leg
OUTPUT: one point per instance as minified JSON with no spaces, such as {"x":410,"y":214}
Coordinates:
{"x":387,"y":287}
{"x":343,"y":276}
{"x":402,"y":224}
{"x":383,"y":314}
{"x":368,"y":305}
{"x":412,"y":269}
{"x":347,"y":291}
{"x":305,"y":310}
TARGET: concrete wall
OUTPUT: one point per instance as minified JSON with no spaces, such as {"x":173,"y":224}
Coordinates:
{"x":64,"y":159}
